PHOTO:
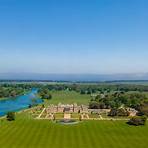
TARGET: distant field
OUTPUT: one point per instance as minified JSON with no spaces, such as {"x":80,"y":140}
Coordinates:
{"x":28,"y":133}
{"x":68,"y":97}
{"x":132,"y":82}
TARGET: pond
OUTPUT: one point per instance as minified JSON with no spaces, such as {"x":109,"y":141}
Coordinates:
{"x":19,"y":103}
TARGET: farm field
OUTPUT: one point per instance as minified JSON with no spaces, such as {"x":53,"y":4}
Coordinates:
{"x":26,"y":132}
{"x":68,"y":97}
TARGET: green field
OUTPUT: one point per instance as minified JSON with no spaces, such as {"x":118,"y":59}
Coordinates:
{"x":68,"y":97}
{"x":28,"y":133}
{"x":59,"y":116}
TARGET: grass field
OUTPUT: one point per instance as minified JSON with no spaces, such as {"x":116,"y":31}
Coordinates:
{"x":59,"y":116}
{"x":28,"y":133}
{"x":93,"y":116}
{"x":75,"y":115}
{"x":68,"y":97}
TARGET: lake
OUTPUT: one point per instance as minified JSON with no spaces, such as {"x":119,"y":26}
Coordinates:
{"x":19,"y":103}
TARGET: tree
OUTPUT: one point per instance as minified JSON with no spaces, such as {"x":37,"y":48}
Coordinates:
{"x":43,"y":106}
{"x":94,"y":105}
{"x":13,"y":93}
{"x":45,"y":94}
{"x":137,"y":120}
{"x":29,"y":106}
{"x":34,"y":101}
{"x":11,"y":116}
{"x":82,"y":92}
{"x":118,"y":112}
{"x":143,"y":109}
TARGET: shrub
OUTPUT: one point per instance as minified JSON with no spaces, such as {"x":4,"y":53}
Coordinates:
{"x":11,"y":116}
{"x":94,"y":105}
{"x":137,"y":120}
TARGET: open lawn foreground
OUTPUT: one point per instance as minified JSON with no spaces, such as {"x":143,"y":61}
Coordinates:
{"x":28,"y":133}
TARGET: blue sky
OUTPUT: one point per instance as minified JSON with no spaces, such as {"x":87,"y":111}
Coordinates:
{"x":74,"y":36}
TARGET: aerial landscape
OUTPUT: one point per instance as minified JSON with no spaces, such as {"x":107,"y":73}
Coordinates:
{"x":73,"y":74}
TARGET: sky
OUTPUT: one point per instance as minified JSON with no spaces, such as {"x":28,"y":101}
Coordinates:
{"x":74,"y":36}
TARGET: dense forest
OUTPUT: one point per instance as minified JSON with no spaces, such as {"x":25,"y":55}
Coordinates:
{"x":13,"y":90}
{"x":93,"y":88}
{"x":117,"y":99}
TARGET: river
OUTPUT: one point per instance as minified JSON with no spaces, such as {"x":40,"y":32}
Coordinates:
{"x":19,"y":103}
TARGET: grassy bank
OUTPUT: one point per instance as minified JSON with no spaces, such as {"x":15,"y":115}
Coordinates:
{"x":3,"y":99}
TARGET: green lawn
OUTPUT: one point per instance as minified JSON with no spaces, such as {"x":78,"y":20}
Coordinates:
{"x":93,"y":116}
{"x":68,"y":97}
{"x":28,"y":133}
{"x":75,"y":115}
{"x":59,"y":116}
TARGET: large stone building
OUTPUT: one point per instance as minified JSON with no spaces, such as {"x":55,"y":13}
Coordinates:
{"x":70,"y":108}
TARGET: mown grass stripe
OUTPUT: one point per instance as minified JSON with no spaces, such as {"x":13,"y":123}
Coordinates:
{"x":26,"y":132}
